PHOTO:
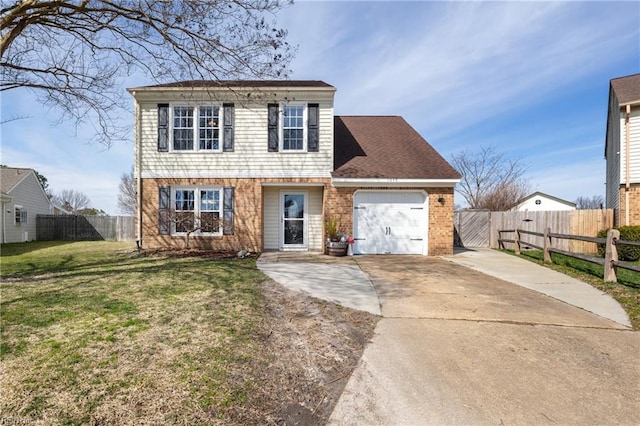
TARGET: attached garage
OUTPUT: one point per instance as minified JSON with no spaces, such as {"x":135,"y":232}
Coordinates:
{"x":390,"y":222}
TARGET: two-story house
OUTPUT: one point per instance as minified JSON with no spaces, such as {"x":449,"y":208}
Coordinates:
{"x":622,"y":150}
{"x":262,"y":165}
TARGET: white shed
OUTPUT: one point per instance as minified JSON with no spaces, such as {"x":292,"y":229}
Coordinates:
{"x":539,"y":201}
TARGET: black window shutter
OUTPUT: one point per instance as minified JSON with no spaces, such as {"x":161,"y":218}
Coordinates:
{"x":313,"y":118}
{"x":229,"y":119}
{"x":164,"y":205}
{"x":163,"y":127}
{"x":227,"y":211}
{"x":273,"y":127}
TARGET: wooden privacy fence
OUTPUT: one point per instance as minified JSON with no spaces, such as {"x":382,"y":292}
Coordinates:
{"x":477,"y":228}
{"x":610,"y":261}
{"x":84,"y":228}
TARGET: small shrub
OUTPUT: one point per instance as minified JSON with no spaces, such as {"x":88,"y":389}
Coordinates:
{"x":602,"y":247}
{"x":625,"y":253}
{"x":332,"y":229}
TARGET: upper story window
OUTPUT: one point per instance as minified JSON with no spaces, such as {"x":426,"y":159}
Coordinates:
{"x":293,"y":128}
{"x":196,"y":128}
{"x":200,"y":128}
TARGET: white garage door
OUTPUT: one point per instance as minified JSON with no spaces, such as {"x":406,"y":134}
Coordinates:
{"x":390,"y":222}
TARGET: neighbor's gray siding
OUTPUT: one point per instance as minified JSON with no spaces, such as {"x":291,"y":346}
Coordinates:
{"x":612,"y":154}
{"x":29,"y":194}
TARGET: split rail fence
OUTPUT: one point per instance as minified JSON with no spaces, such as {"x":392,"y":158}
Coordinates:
{"x":610,"y":261}
{"x":84,"y":228}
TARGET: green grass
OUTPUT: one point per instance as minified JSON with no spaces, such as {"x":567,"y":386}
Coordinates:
{"x":626,"y":291}
{"x":93,"y":332}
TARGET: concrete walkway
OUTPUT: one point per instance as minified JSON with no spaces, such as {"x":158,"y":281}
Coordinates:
{"x":337,"y":280}
{"x":341,"y":280}
{"x":543,"y":280}
{"x":458,"y":346}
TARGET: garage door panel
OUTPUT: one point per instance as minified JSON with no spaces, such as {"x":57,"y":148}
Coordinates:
{"x":388,"y":222}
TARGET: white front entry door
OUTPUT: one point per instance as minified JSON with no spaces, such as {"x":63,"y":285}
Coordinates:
{"x":293,"y":220}
{"x":390,"y":222}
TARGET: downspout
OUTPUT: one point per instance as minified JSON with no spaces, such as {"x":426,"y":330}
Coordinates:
{"x":138,"y":146}
{"x":627,"y":185}
{"x":4,"y":228}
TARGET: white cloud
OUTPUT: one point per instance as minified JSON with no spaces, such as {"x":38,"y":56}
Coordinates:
{"x":529,"y":77}
{"x":570,"y":180}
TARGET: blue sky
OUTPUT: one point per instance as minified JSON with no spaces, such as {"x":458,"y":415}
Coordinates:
{"x":530,"y":78}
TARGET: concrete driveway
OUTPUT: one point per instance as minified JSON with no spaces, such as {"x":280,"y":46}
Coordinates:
{"x":456,"y":346}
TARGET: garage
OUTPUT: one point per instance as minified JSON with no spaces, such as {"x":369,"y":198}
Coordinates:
{"x":390,"y":222}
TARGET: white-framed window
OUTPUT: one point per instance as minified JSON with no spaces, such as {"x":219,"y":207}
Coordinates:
{"x":196,"y":128}
{"x":197,"y":209}
{"x":20,"y":215}
{"x":293,"y":131}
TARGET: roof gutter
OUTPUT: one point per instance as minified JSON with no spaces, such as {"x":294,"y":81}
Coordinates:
{"x":394,"y":182}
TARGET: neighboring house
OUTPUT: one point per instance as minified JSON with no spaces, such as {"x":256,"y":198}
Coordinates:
{"x":261,"y":165}
{"x":539,"y":201}
{"x":60,"y":210}
{"x":622,"y":150}
{"x":22,"y":199}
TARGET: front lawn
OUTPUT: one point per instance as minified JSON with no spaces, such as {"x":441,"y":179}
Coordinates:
{"x":626,"y":291}
{"x":93,"y":332}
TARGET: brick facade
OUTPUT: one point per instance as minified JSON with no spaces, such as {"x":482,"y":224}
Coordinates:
{"x":249,"y":216}
{"x":634,"y":206}
{"x":339,"y":204}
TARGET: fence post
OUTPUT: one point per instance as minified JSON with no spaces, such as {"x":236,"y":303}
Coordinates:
{"x":611,"y":256}
{"x":546,"y":244}
{"x":516,"y":239}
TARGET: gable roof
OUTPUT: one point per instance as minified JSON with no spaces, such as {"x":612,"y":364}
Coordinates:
{"x":627,"y":89}
{"x":385,"y":147}
{"x":239,"y":83}
{"x":550,"y":197}
{"x":11,"y":176}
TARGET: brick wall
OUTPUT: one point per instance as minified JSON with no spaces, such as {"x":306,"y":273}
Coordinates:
{"x":248,"y":214}
{"x":248,"y":217}
{"x":634,"y":206}
{"x":440,"y":221}
{"x":339,"y":204}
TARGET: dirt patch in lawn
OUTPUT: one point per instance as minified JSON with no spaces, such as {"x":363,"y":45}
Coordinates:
{"x":313,"y":347}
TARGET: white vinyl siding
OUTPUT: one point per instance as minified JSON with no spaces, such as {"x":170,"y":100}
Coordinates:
{"x":634,"y":146}
{"x":272,"y":229}
{"x":250,"y":157}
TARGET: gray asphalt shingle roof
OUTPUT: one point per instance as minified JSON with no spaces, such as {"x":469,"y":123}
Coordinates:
{"x":385,"y":147}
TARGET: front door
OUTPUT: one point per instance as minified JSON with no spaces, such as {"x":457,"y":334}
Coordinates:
{"x":293,"y":220}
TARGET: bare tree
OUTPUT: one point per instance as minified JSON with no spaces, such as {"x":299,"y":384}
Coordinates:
{"x":586,"y":203}
{"x":490,"y":180}
{"x":71,"y":200}
{"x":74,"y":53}
{"x":187,"y":223}
{"x":127,"y":194}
